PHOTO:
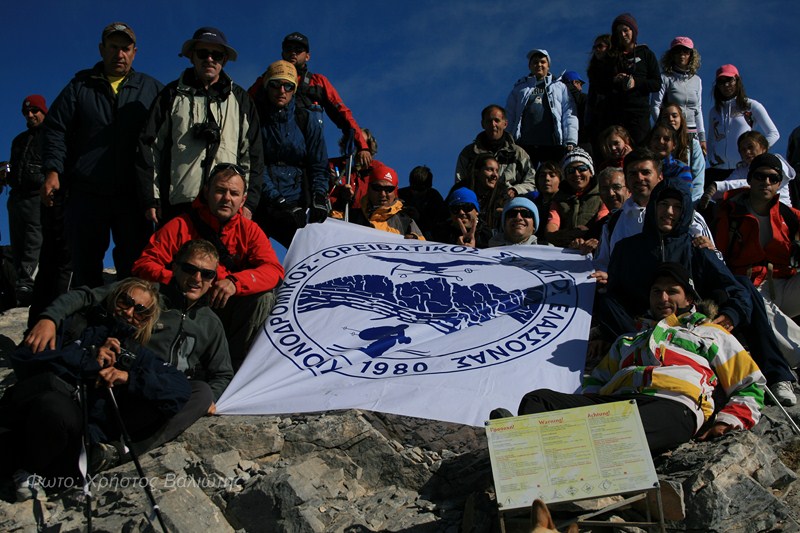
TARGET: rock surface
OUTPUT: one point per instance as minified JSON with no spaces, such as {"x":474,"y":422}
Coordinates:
{"x":353,"y":471}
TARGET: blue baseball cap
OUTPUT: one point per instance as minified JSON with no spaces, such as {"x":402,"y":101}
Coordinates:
{"x":570,"y":76}
{"x":463,"y":195}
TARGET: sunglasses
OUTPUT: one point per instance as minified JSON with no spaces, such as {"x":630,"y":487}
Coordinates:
{"x":226,"y":166}
{"x":278,"y":84}
{"x":524,"y":213}
{"x":125,"y":301}
{"x":382,"y":188}
{"x":457,"y":208}
{"x":202,"y":53}
{"x":205,"y":273}
{"x":763,"y":176}
{"x":574,"y":170}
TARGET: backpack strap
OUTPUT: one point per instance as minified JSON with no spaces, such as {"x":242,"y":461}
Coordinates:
{"x":208,"y":233}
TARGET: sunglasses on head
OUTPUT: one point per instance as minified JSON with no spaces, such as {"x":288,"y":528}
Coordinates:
{"x":524,"y":213}
{"x":763,"y":176}
{"x":126,"y":301}
{"x":277,"y":84}
{"x":225,"y":166}
{"x":457,"y":208}
{"x":381,"y":188}
{"x":205,"y":273}
{"x":202,"y":53}
{"x":580,"y":168}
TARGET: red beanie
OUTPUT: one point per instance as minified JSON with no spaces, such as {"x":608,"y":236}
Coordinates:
{"x":36,"y":101}
{"x":380,"y":172}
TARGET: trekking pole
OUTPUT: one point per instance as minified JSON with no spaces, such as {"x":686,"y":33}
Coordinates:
{"x":128,"y":444}
{"x":788,"y":416}
{"x":350,"y":149}
{"x":83,"y":460}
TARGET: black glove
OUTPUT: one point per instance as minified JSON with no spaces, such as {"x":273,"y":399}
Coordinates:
{"x":319,"y":209}
{"x":298,"y":214}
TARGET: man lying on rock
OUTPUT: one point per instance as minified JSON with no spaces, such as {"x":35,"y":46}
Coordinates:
{"x":672,"y":368}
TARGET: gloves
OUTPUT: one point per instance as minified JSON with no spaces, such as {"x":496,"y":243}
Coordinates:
{"x":711,"y":190}
{"x":319,"y":209}
{"x":298,"y":214}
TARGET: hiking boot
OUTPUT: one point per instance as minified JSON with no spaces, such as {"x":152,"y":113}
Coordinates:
{"x":784,"y":393}
{"x":28,"y":486}
{"x":499,"y":413}
{"x":103,"y":456}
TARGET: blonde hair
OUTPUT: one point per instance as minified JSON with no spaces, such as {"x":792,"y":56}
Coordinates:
{"x":145,"y":328}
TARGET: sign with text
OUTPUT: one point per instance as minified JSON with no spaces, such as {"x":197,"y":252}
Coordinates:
{"x":573,"y":454}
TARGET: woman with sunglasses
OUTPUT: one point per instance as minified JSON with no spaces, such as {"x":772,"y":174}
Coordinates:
{"x":295,"y":182}
{"x":733,"y":114}
{"x":96,"y":350}
{"x":577,"y":203}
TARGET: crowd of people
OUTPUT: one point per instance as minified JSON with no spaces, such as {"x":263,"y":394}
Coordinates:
{"x":192,"y":178}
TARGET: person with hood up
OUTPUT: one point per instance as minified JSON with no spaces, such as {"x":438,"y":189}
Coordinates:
{"x":664,"y":237}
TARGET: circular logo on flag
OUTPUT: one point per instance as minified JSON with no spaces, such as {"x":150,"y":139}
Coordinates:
{"x":380,"y":310}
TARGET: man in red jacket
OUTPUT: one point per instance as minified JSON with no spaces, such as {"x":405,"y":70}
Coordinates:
{"x":316,"y":90}
{"x":248,"y":268}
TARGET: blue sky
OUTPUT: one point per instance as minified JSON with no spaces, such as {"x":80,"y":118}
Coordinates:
{"x":416,"y":73}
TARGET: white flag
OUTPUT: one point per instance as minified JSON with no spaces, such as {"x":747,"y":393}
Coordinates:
{"x":366,"y":319}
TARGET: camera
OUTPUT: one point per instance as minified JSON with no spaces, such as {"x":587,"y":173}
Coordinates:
{"x":125,"y":359}
{"x":207,"y":131}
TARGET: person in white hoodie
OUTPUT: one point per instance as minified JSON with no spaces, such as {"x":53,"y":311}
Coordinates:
{"x":541,"y":112}
{"x":733,"y":114}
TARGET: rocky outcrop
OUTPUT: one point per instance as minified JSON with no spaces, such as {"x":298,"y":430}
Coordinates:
{"x":352,"y":471}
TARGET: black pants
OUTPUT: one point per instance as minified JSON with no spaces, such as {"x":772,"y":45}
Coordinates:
{"x":667,"y":424}
{"x":25,"y":226}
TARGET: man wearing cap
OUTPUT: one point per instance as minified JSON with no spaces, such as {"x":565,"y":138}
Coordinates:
{"x":520,"y":220}
{"x":517,"y":175}
{"x":381,"y":209}
{"x":90,"y":139}
{"x":541,"y":113}
{"x":198,"y":121}
{"x":315,"y":91}
{"x":465,"y":225}
{"x":294,"y":188}
{"x":241,"y":292}
{"x":671,"y":367}
{"x":25,"y":178}
{"x":757,"y":235}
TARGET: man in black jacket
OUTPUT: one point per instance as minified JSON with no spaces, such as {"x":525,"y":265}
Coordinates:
{"x":25,"y":179}
{"x":90,"y":138}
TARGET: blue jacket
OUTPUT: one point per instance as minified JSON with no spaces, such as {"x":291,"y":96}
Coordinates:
{"x":635,"y":259}
{"x":295,"y":156}
{"x":561,"y":104}
{"x":91,"y":134}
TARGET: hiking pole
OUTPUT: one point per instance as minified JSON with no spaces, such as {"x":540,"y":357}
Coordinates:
{"x":128,"y":444}
{"x":350,"y":149}
{"x":83,"y":459}
{"x":788,"y":416}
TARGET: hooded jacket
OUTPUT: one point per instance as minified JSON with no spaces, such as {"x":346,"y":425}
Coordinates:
{"x":686,"y":90}
{"x":727,"y":123}
{"x":575,"y":210}
{"x":515,"y":164}
{"x":635,"y":259}
{"x":565,"y":119}
{"x":26,"y":176}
